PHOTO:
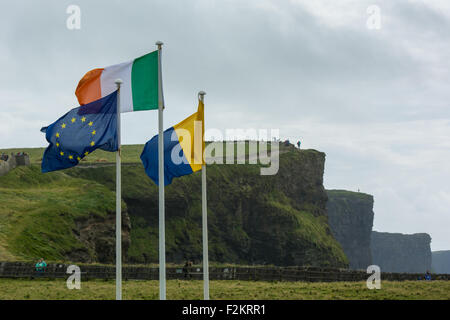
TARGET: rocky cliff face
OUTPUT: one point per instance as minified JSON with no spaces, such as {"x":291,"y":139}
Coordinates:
{"x":396,"y":252}
{"x":252,"y":219}
{"x":98,"y":236}
{"x":278,"y":219}
{"x":441,"y":261}
{"x":350,"y":216}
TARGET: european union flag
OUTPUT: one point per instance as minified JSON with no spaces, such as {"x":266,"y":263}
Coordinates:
{"x":79,"y":132}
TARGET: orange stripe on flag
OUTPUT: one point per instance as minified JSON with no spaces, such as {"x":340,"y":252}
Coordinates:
{"x":89,"y":88}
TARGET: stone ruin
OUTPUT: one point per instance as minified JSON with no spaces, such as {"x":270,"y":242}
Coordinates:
{"x":10,"y":161}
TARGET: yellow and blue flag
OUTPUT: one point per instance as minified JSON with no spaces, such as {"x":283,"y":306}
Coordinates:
{"x":79,"y":132}
{"x":184,"y":146}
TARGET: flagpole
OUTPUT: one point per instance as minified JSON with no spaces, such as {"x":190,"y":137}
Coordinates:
{"x":204,"y":221}
{"x":118,"y":203}
{"x":162,"y":238}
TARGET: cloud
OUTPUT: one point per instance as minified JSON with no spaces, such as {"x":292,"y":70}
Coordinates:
{"x":376,"y":101}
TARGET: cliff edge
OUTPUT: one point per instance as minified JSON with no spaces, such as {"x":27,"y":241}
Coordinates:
{"x":350,"y":216}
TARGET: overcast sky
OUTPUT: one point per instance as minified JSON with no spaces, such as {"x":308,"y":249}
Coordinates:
{"x":376,"y":101}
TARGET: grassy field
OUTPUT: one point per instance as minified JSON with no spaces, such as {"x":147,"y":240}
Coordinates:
{"x":38,"y":212}
{"x":225,"y":289}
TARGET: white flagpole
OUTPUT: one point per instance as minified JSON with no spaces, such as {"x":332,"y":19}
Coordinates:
{"x":204,"y":222}
{"x":162,"y":237}
{"x":118,"y":204}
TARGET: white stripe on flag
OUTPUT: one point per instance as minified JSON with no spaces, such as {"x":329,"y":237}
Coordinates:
{"x":107,"y":80}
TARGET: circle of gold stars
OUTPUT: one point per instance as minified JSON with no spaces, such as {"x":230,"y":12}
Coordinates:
{"x":59,"y":133}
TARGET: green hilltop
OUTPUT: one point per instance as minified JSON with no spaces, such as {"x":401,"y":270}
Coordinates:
{"x":345,"y":194}
{"x":252,"y":219}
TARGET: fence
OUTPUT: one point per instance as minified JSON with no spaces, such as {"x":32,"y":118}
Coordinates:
{"x":307,"y":274}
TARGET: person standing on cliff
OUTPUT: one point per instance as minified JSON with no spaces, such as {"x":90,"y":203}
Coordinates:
{"x":298,"y":144}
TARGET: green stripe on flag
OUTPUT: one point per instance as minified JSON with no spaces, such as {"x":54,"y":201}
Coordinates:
{"x":144,"y":82}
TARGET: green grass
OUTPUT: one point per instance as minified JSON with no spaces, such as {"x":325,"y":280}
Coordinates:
{"x":38,"y":212}
{"x":310,"y":228}
{"x":225,"y":289}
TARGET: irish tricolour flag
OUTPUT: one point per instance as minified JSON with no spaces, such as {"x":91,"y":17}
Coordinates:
{"x":139,"y":90}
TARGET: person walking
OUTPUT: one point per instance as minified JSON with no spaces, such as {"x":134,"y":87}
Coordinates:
{"x":186,"y":267}
{"x":40,"y":267}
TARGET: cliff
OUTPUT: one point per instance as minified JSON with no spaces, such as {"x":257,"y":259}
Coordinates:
{"x":396,"y":252}
{"x":441,"y":261}
{"x":252,"y":219}
{"x":350,"y":216}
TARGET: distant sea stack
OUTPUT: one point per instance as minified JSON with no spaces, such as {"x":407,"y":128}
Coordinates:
{"x":441,"y":261}
{"x":350,"y":216}
{"x":396,"y":252}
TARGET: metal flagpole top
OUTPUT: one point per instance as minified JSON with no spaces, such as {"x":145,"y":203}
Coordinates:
{"x":201,"y":94}
{"x":159,"y":44}
{"x":118,"y":81}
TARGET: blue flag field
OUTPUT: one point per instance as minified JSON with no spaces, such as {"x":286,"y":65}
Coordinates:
{"x":79,"y":132}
